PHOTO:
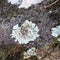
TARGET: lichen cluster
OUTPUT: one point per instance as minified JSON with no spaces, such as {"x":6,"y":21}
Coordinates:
{"x":28,"y":31}
{"x":24,"y":3}
{"x":56,"y":31}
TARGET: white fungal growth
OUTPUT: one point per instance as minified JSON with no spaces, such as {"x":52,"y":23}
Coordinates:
{"x":56,"y":31}
{"x":25,"y":3}
{"x":28,"y":31}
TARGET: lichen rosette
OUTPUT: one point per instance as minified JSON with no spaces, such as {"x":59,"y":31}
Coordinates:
{"x":30,"y":52}
{"x":56,"y":31}
{"x":28,"y":31}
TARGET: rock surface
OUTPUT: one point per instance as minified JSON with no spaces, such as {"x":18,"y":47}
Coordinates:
{"x":45,"y":19}
{"x":36,"y":14}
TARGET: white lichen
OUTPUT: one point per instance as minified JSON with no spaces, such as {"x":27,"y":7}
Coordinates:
{"x":25,"y":3}
{"x":56,"y":31}
{"x":16,"y":2}
{"x":28,"y":31}
{"x":59,"y":39}
{"x":30,"y":52}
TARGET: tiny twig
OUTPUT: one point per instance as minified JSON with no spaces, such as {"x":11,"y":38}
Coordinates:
{"x":51,"y":4}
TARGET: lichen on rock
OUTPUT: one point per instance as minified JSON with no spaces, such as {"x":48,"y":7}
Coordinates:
{"x":28,"y":31}
{"x":56,"y":31}
{"x":25,"y":3}
{"x":31,"y":53}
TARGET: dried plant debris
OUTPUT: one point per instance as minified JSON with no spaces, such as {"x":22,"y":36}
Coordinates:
{"x":4,"y":49}
{"x":15,"y":53}
{"x":54,"y":12}
{"x":51,"y":4}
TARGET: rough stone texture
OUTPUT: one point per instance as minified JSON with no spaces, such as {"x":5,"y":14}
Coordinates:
{"x":36,"y":14}
{"x":54,"y":55}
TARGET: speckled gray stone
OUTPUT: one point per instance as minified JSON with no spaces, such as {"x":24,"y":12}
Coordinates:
{"x":36,"y":14}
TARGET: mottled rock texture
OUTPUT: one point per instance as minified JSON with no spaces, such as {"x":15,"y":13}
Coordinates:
{"x":11,"y":15}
